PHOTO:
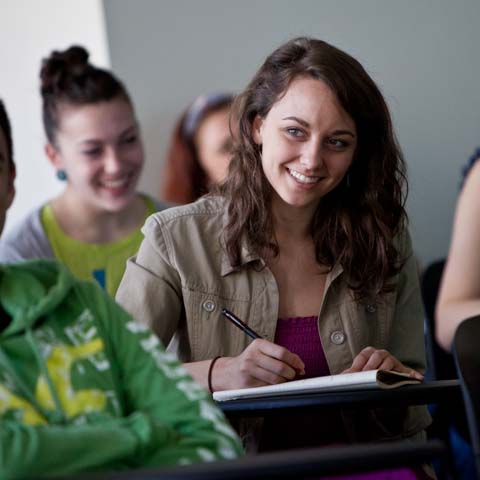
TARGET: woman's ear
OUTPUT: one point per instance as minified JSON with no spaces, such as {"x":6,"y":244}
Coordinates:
{"x":257,"y":129}
{"x":54,"y":156}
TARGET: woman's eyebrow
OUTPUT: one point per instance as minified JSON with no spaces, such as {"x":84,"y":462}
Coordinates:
{"x":94,"y":141}
{"x":131,"y":128}
{"x":299,"y":120}
{"x":343,"y":132}
{"x":306,"y":124}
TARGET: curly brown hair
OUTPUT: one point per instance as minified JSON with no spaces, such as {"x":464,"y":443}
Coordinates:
{"x":356,"y":223}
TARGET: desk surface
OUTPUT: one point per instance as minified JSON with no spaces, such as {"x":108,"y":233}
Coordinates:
{"x":437,"y":391}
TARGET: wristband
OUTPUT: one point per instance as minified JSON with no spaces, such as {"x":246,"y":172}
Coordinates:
{"x":210,"y":369}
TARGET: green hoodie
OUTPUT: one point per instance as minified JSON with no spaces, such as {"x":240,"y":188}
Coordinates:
{"x":85,"y":388}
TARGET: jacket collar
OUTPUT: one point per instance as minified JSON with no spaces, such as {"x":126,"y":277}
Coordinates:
{"x":336,"y":271}
{"x":246,"y":256}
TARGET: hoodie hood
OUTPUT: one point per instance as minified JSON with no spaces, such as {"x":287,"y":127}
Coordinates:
{"x":29,"y":290}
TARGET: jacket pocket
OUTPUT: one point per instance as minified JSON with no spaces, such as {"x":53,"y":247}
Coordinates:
{"x":368,"y":324}
{"x":210,"y":333}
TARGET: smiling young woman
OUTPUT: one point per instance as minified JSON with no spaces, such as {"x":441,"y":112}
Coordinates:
{"x":94,"y":143}
{"x":305,"y":241}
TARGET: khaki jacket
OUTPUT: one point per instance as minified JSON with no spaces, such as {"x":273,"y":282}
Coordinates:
{"x":181,"y":279}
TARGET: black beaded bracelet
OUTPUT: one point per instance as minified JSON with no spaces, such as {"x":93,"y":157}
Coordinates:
{"x":210,"y":369}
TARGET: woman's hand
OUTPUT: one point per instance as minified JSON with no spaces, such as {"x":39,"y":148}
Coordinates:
{"x":372,"y":359}
{"x":261,"y":363}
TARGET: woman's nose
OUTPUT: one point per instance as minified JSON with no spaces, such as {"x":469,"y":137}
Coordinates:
{"x":112,"y":162}
{"x":312,"y":155}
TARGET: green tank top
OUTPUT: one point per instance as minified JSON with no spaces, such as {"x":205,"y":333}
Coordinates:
{"x":103,"y":262}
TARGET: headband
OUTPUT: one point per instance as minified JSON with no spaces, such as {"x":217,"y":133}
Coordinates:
{"x":197,"y":109}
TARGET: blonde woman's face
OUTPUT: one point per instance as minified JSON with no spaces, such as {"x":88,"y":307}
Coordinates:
{"x":100,"y":149}
{"x":214,"y":144}
{"x":307,"y":141}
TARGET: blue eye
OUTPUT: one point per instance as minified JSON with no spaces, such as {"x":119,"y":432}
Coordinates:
{"x":295,"y":132}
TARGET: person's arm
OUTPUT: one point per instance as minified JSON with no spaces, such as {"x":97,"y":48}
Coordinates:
{"x":459,"y":296}
{"x":261,"y":363}
{"x":46,"y":450}
{"x":151,"y":292}
{"x":168,"y":418}
{"x":188,"y":427}
{"x":27,"y":240}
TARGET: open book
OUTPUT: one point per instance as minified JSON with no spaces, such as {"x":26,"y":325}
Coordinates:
{"x":343,"y":381}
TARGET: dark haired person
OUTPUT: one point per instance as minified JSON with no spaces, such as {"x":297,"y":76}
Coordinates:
{"x":306,"y":242}
{"x":94,"y":143}
{"x":199,"y":151}
{"x":83,"y":387}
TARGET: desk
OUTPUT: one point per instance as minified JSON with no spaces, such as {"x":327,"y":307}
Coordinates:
{"x":313,"y":462}
{"x":437,"y":391}
{"x":298,"y":464}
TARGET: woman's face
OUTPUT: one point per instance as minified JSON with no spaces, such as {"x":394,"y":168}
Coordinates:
{"x":307,"y":142}
{"x":214,"y":144}
{"x":99,"y":147}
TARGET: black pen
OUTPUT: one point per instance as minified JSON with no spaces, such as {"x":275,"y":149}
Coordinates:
{"x":241,"y":325}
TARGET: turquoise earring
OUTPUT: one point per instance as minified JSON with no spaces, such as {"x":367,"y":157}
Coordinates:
{"x":61,"y":175}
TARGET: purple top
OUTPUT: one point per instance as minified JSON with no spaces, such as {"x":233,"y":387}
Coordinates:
{"x":300,"y":335}
{"x":398,"y":474}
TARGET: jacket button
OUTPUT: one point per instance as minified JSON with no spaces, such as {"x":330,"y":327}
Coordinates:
{"x":371,"y":308}
{"x":208,"y":305}
{"x":337,"y":337}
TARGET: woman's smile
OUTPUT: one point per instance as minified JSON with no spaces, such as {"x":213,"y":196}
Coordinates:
{"x":303,"y":179}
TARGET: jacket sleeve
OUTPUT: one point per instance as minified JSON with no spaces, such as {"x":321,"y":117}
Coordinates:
{"x":151,"y":289}
{"x":188,"y":427}
{"x":46,"y":450}
{"x":407,"y":339}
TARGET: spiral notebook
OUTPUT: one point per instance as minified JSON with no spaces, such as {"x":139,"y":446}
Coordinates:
{"x":372,"y":379}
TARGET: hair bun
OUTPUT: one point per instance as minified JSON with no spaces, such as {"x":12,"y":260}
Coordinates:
{"x":61,"y":65}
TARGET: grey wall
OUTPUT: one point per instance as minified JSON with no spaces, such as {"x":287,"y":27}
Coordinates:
{"x":422,"y":53}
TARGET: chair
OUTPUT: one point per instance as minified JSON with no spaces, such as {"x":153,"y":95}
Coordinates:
{"x":467,"y":359}
{"x":441,"y":364}
{"x":449,"y":420}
